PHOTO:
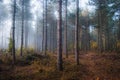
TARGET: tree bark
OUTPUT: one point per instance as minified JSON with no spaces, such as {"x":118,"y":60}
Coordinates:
{"x":76,"y":34}
{"x":22,"y":29}
{"x":100,"y":41}
{"x":13,"y":34}
{"x":59,"y":38}
{"x":45,"y":44}
{"x":43,"y":30}
{"x":65,"y":31}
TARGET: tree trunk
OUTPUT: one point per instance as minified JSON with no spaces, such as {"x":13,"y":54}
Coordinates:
{"x":100,"y":41}
{"x":59,"y":38}
{"x":43,"y":30}
{"x":26,"y":24}
{"x":76,"y":34}
{"x":118,"y":34}
{"x":26,"y":34}
{"x":45,"y":44}
{"x":13,"y":34}
{"x":65,"y":31}
{"x":22,"y":29}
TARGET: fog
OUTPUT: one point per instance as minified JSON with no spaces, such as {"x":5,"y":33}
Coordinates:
{"x":32,"y":22}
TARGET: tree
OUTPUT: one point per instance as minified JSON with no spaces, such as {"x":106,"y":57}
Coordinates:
{"x":65,"y":31}
{"x":76,"y":34}
{"x":43,"y":30}
{"x":13,"y":32}
{"x":27,"y":18}
{"x":102,"y":24}
{"x":59,"y":38}
{"x":22,"y":29}
{"x":45,"y":43}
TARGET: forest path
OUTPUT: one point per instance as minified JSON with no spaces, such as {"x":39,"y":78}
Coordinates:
{"x":101,"y":66}
{"x":90,"y":64}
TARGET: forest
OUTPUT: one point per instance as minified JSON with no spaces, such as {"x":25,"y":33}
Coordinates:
{"x":59,"y":39}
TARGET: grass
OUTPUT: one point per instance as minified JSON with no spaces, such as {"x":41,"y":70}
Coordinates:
{"x":92,"y":66}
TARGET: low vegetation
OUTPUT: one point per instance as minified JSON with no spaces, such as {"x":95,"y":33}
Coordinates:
{"x":39,"y":67}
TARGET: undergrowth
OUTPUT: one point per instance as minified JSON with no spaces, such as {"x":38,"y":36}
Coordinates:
{"x":40,"y":67}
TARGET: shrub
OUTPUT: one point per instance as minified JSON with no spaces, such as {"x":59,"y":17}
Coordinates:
{"x":118,"y":44}
{"x":5,"y":58}
{"x":10,"y":45}
{"x":93,"y":45}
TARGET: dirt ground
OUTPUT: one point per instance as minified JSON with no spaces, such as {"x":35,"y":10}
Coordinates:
{"x":105,"y":66}
{"x":102,"y":66}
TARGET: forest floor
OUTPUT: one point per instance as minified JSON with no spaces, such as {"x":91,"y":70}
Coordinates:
{"x":93,"y":66}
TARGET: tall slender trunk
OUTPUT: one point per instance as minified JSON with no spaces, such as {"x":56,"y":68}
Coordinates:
{"x":65,"y":31}
{"x":59,"y":38}
{"x":100,"y":41}
{"x":50,"y":38}
{"x":105,"y":23}
{"x":26,"y":34}
{"x":76,"y":34}
{"x":13,"y":34}
{"x":88,"y":34}
{"x":118,"y":34}
{"x":26,"y":23}
{"x":53,"y":38}
{"x":45,"y":28}
{"x":22,"y":29}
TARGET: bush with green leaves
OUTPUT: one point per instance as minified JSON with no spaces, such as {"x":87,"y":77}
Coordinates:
{"x":10,"y":45}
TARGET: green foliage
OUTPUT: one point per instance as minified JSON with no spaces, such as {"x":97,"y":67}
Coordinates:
{"x":28,"y":59}
{"x":10,"y":45}
{"x":30,"y":50}
{"x":26,"y":51}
